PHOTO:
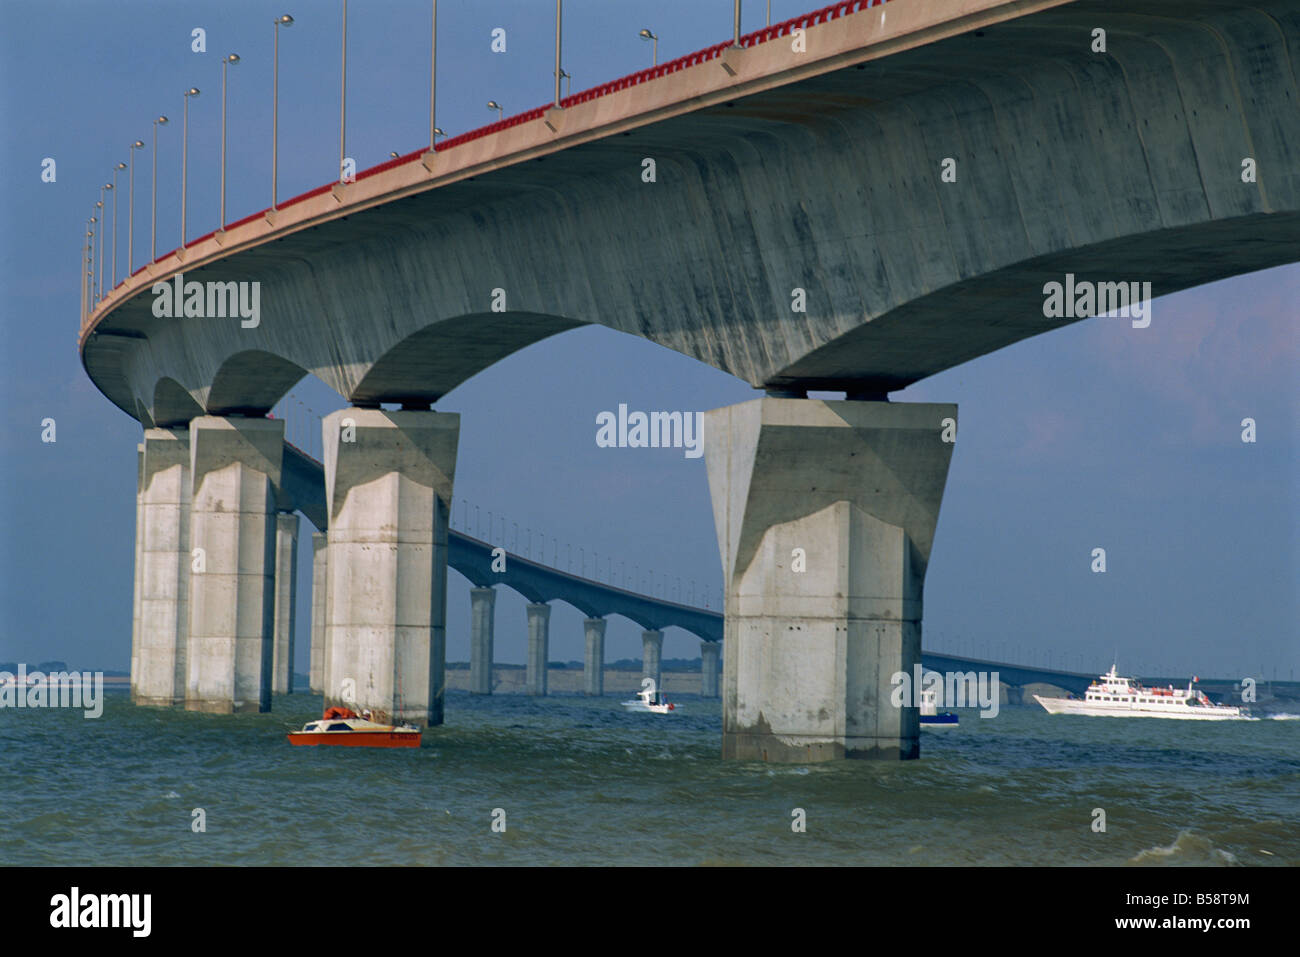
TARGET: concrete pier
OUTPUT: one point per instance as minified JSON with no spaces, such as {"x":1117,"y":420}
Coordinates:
{"x":235,"y":466}
{"x":159,"y":668}
{"x":594,"y":660}
{"x":138,"y":573}
{"x":319,"y":577}
{"x":388,"y":482}
{"x":482,"y":622}
{"x":825,"y":513}
{"x":286,"y":595}
{"x":652,"y":646}
{"x":539,"y":645}
{"x":709,"y":652}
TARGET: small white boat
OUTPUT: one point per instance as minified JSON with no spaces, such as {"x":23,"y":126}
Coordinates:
{"x":649,"y":699}
{"x":931,"y":717}
{"x":1113,"y":696}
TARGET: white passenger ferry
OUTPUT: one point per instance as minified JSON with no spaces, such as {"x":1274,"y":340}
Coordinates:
{"x":1126,"y":698}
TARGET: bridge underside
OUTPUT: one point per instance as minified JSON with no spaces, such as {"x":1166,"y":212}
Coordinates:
{"x":858,"y":225}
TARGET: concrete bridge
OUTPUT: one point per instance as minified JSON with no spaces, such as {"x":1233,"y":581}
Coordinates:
{"x":851,"y":201}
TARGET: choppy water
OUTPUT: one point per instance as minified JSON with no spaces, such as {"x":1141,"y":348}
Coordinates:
{"x":582,"y":782}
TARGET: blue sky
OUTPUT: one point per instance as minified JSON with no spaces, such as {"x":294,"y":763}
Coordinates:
{"x":1097,"y":435}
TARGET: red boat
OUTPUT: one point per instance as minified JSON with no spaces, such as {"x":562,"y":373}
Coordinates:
{"x":343,"y":727}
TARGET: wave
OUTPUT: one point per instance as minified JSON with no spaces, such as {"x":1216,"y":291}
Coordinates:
{"x":1187,"y":848}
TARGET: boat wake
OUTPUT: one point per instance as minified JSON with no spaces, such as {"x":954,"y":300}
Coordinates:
{"x":1187,"y":848}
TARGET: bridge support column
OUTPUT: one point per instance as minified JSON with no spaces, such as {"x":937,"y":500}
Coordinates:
{"x":825,"y":513}
{"x":159,"y":671}
{"x":138,"y":567}
{"x":482,"y":622}
{"x":388,"y":484}
{"x":235,"y":466}
{"x":539,"y":646}
{"x":594,"y":662}
{"x":709,"y":669}
{"x":319,"y":577}
{"x":286,"y":601}
{"x":652,"y":646}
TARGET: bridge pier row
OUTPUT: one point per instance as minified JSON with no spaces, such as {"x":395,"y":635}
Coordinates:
{"x":286,"y":595}
{"x":163,"y":569}
{"x":593,"y":664}
{"x":652,"y":646}
{"x":388,"y":485}
{"x":709,"y":652}
{"x":482,"y":626}
{"x":235,"y":466}
{"x":825,"y":513}
{"x":539,"y":646}
{"x":319,"y":576}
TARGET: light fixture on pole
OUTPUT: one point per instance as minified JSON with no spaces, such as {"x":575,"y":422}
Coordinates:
{"x":559,"y":16}
{"x":226,"y":61}
{"x":153,"y":201}
{"x":112,"y":279}
{"x":494,"y":105}
{"x":392,"y":154}
{"x":130,"y":212}
{"x":647,"y":35}
{"x":185,"y":158}
{"x":99,"y":271}
{"x":433,"y":81}
{"x":282,"y":21}
{"x":343,"y":99}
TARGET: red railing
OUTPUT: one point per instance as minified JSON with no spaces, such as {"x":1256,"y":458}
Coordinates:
{"x":775,"y":31}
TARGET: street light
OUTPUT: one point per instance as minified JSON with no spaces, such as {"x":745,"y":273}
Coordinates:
{"x":226,"y":61}
{"x":433,"y":81}
{"x":437,"y":131}
{"x":343,"y":98}
{"x":647,"y":35}
{"x":559,"y":15}
{"x":494,"y":105}
{"x":283,"y":21}
{"x":153,"y":202}
{"x":736,"y":36}
{"x":112,"y":280}
{"x":130,"y":213}
{"x":392,"y":154}
{"x":185,"y":158}
{"x":99,"y":272}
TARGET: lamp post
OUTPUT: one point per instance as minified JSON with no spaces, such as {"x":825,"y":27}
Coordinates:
{"x":494,"y":105}
{"x":99,"y":273}
{"x":343,"y":98}
{"x":433,"y":81}
{"x":647,"y":35}
{"x":736,"y":35}
{"x":153,"y":201}
{"x":226,"y":61}
{"x":130,"y":213}
{"x":112,"y":279}
{"x":282,"y":21}
{"x":185,"y":158}
{"x":559,"y":14}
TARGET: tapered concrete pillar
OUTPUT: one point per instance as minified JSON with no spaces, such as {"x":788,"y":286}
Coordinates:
{"x":388,"y":482}
{"x":539,"y":646}
{"x":709,"y":651}
{"x":594,"y":661}
{"x":482,"y":619}
{"x":286,"y":601}
{"x":825,"y":513}
{"x":319,"y":576}
{"x":138,"y":573}
{"x":159,"y":674}
{"x":235,"y":467}
{"x":652,"y":647}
